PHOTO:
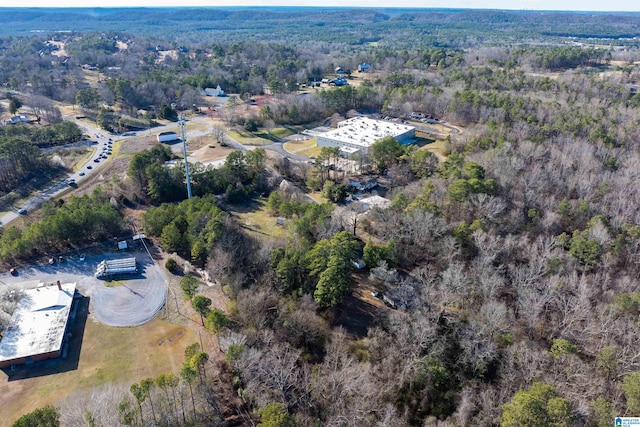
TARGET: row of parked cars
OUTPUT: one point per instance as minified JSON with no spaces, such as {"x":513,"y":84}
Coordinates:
{"x":71,"y":182}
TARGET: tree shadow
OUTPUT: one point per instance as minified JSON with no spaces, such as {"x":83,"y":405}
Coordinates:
{"x":267,"y":136}
{"x":356,"y":316}
{"x":421,"y":142}
{"x":155,"y":253}
{"x":71,"y":347}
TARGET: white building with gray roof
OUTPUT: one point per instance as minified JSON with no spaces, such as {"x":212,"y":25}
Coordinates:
{"x":359,"y":133}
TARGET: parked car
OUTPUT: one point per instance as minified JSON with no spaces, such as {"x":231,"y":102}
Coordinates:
{"x":22,"y":211}
{"x":82,"y":257}
{"x":52,"y":260}
{"x":13,"y":271}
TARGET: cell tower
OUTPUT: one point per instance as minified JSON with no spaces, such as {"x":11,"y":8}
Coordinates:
{"x":182,"y":122}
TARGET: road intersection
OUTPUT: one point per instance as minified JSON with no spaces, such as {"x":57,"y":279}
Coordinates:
{"x":102,"y":142}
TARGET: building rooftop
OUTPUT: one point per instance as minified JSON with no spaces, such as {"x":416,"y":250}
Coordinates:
{"x":349,"y":150}
{"x":364,"y":131}
{"x":38,"y":322}
{"x":375,"y":201}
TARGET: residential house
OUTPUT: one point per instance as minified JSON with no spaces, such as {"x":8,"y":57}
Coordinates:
{"x":340,"y":81}
{"x":362,"y":183}
{"x":214,"y":92}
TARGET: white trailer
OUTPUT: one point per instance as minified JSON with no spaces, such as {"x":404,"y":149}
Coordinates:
{"x":167,"y":137}
{"x":109,"y":268}
{"x":121,"y":261}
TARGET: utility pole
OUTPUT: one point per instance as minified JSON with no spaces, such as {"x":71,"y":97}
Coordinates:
{"x":182,"y":122}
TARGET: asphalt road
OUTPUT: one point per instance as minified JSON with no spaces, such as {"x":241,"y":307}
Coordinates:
{"x":129,"y":300}
{"x":101,"y":142}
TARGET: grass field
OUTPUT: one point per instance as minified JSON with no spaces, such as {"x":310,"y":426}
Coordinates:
{"x":194,"y":127}
{"x":317,"y":196}
{"x":276,"y":133}
{"x":246,"y":138}
{"x":106,"y":354}
{"x":307,"y":147}
{"x":263,"y":137}
{"x":255,"y":218}
{"x":92,"y":77}
{"x":76,"y":112}
{"x":206,"y":149}
{"x":439,"y":148}
{"x":74,"y":158}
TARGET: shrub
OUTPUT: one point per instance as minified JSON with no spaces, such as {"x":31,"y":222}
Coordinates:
{"x":171,"y":265}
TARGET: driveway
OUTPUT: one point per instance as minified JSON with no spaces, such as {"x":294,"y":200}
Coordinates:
{"x":129,"y":300}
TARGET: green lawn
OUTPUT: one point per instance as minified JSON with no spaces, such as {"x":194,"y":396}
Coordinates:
{"x":283,"y":132}
{"x":307,"y":147}
{"x":263,"y":137}
{"x":247,"y":138}
{"x":313,"y":151}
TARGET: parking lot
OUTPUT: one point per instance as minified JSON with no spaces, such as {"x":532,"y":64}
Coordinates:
{"x":128,"y":300}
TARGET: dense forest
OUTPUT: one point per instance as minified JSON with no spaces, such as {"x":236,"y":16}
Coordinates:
{"x":512,"y":258}
{"x":394,"y":27}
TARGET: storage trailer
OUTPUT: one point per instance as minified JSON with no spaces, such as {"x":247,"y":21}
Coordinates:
{"x":113,"y":267}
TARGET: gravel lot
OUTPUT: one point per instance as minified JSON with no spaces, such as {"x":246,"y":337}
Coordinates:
{"x":128,"y":300}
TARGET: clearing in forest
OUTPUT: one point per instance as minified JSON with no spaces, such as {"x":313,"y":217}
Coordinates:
{"x":256,"y":219}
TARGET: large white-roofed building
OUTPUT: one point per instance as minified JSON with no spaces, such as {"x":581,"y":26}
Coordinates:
{"x":359,"y":133}
{"x":37,"y":328}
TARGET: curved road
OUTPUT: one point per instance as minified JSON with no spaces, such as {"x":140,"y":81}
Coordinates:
{"x":102,"y":140}
{"x":101,"y":143}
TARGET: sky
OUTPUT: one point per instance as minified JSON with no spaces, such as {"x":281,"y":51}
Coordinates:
{"x":578,"y":5}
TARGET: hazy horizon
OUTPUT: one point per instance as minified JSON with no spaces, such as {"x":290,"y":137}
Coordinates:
{"x":532,"y":5}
